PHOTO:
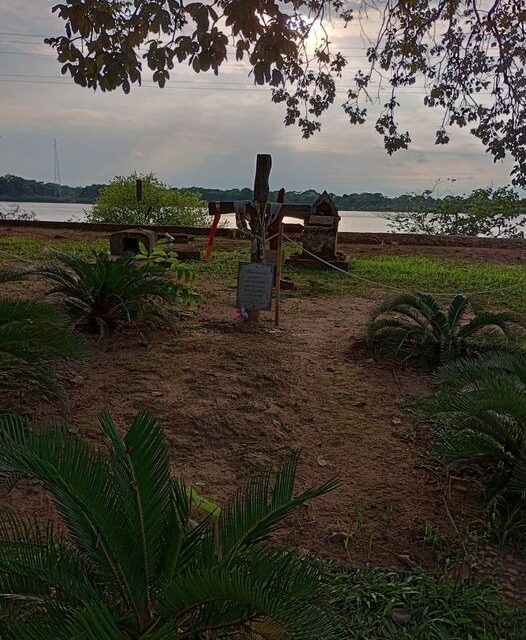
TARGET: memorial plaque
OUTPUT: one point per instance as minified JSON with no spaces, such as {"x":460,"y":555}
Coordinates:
{"x":254,"y":286}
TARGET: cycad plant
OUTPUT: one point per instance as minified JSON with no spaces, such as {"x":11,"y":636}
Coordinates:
{"x":101,"y":292}
{"x":33,"y":337}
{"x":414,"y":325}
{"x":485,"y":410}
{"x":130,"y":560}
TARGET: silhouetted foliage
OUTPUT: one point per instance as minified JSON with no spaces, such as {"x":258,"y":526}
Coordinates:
{"x":22,"y":189}
{"x":469,"y":56}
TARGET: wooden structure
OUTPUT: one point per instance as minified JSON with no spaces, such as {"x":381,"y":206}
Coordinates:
{"x":320,"y":220}
{"x":320,"y":238}
{"x":129,"y":241}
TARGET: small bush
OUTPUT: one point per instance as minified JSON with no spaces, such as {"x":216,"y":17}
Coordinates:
{"x":160,"y":204}
{"x":415,"y":326}
{"x":102,"y":292}
{"x":132,"y":559}
{"x":485,"y":414}
{"x":500,"y":213}
{"x":15,"y":212}
{"x":33,"y":337}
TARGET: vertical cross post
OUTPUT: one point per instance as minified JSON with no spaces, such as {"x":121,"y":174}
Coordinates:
{"x":261,"y":196}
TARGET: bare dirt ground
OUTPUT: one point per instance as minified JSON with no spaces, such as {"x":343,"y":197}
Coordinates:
{"x":234,"y":402}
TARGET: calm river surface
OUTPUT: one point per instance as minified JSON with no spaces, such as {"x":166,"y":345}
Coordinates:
{"x":369,"y":221}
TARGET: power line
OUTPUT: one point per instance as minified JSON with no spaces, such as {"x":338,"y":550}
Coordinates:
{"x":41,"y":35}
{"x":198,"y":87}
{"x":212,"y":85}
{"x":27,"y":53}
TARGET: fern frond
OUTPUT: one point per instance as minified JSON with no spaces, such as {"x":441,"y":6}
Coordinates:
{"x":278,"y":585}
{"x":78,"y":478}
{"x":259,"y":508}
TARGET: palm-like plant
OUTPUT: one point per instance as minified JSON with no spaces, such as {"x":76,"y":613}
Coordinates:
{"x":414,"y":325}
{"x":485,"y":409}
{"x":131,"y":563}
{"x":33,"y":336}
{"x":103,"y":291}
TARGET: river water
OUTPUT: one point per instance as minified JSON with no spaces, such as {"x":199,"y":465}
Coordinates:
{"x":367,"y":221}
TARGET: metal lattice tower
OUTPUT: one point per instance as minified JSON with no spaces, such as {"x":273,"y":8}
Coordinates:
{"x":56,"y":165}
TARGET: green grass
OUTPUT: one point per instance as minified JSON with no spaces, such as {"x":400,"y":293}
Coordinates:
{"x":506,"y":283}
{"x":436,"y":608}
{"x":35,"y":249}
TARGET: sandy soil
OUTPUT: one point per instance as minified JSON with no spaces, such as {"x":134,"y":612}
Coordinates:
{"x":233,"y":402}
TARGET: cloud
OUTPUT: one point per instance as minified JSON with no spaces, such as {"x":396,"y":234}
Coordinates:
{"x":203,"y":130}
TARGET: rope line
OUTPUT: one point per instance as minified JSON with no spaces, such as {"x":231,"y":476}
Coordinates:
{"x":349,"y":274}
{"x":398,"y":289}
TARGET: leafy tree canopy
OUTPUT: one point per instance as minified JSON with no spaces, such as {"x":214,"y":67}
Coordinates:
{"x":484,"y":212}
{"x":469,"y":53}
{"x":160,"y":204}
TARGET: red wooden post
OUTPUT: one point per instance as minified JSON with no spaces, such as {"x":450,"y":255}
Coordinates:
{"x":274,"y":227}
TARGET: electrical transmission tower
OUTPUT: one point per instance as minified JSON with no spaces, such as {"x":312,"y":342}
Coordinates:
{"x":56,"y":165}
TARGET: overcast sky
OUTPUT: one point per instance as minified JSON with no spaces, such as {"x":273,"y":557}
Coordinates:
{"x":205,"y":131}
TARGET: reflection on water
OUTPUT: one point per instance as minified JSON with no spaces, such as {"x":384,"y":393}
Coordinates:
{"x":369,"y":221}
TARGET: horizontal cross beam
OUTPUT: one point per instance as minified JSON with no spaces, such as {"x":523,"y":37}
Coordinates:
{"x":300,"y":211}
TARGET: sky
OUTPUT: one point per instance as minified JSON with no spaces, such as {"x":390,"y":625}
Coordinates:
{"x":206,"y":131}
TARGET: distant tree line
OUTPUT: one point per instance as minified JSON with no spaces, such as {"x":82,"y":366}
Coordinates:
{"x":347,"y":202}
{"x":482,"y":203}
{"x":17,"y":189}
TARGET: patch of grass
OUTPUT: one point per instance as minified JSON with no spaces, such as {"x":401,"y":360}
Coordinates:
{"x":223,"y":264}
{"x":383,"y":605}
{"x":36,"y":248}
{"x":437,"y":275}
{"x":507,"y":283}
{"x":408,"y":273}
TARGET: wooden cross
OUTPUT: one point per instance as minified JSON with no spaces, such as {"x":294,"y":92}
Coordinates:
{"x":256,"y":212}
{"x":321,"y":223}
{"x":257,"y":209}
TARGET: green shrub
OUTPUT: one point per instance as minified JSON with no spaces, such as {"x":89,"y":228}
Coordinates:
{"x":102,"y":292}
{"x":33,"y":337}
{"x":129,"y":560}
{"x":160,"y":204}
{"x":415,"y":326}
{"x":485,"y":212}
{"x":485,"y":413}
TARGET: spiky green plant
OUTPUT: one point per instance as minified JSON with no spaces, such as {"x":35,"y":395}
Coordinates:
{"x":485,"y":410}
{"x":10,"y":275}
{"x":414,"y":325}
{"x":33,"y":337}
{"x":129,"y":562}
{"x":101,"y":292}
